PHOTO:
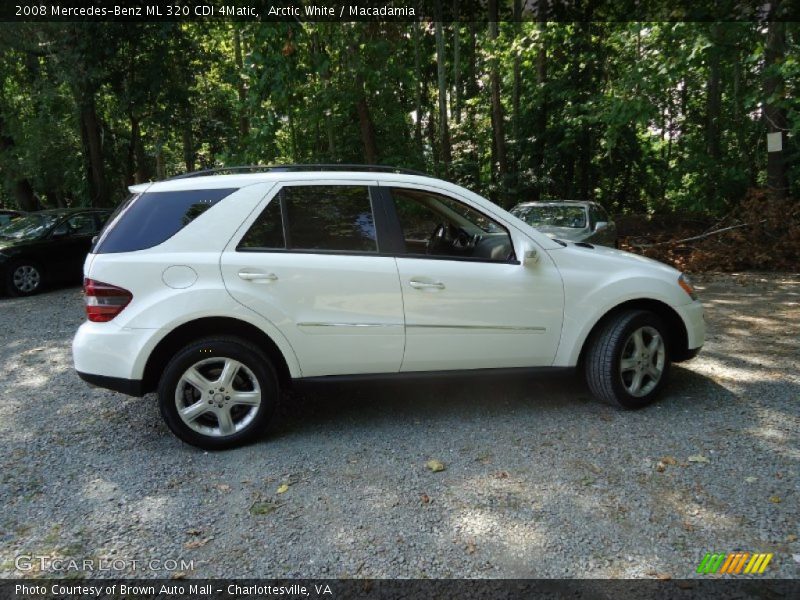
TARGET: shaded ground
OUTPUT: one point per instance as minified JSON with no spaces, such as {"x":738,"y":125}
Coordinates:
{"x":540,"y":481}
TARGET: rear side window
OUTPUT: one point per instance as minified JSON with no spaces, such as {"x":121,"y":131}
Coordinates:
{"x":333,"y":218}
{"x":151,"y":218}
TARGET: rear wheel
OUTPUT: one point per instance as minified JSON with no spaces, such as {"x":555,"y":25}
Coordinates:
{"x":218,"y":393}
{"x":24,"y":278}
{"x":627,"y":362}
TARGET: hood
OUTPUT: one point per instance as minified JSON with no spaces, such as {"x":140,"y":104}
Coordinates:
{"x":10,"y":244}
{"x":606,"y":259}
{"x":563,"y":233}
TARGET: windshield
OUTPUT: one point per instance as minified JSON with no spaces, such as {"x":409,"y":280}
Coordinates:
{"x":552,"y":216}
{"x":28,"y":227}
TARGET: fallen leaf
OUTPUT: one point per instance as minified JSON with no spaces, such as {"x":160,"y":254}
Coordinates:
{"x":775,"y":499}
{"x":196,"y":543}
{"x":661,"y":466}
{"x":688,"y":526}
{"x":471,"y":547}
{"x":223,"y":487}
{"x":661,"y":576}
{"x":751,"y":479}
{"x":425,"y":498}
{"x":282,"y":489}
{"x":178,"y":575}
{"x":435,"y":465}
{"x":262,"y":508}
{"x":669,"y":460}
{"x":698,"y":458}
{"x":791,"y":538}
{"x":501,"y":475}
{"x":194,"y":531}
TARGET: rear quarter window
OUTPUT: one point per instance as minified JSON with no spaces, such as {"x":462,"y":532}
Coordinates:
{"x":149,"y":219}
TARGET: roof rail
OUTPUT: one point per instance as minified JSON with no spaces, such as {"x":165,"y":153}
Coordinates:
{"x":291,"y":168}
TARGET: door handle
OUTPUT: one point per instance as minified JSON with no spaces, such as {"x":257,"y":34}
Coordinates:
{"x":257,"y":276}
{"x":423,"y":285}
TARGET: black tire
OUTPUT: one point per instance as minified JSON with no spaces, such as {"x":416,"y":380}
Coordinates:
{"x":19,"y":280}
{"x":603,"y":360}
{"x":210,"y":356}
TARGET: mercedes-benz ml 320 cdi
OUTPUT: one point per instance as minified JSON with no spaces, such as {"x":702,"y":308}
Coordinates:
{"x":217,"y":290}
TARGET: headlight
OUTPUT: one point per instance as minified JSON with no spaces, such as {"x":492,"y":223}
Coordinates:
{"x":686,"y":284}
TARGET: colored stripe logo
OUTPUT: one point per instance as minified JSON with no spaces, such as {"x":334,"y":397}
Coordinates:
{"x":734,"y":563}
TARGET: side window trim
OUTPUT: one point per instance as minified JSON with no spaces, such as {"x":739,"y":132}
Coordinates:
{"x":287,"y":240}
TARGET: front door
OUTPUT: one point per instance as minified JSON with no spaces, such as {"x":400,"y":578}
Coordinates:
{"x":469,"y":301}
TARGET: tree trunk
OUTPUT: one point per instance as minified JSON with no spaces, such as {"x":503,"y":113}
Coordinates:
{"x":93,"y":146}
{"x":244,"y":122}
{"x":470,"y":91}
{"x":23,"y":191}
{"x":497,"y":106}
{"x":187,"y":140}
{"x":444,"y":130}
{"x":161,"y":167}
{"x":418,"y":91}
{"x":540,"y":121}
{"x":141,"y":170}
{"x":774,"y":113}
{"x":515,"y":90}
{"x":365,"y":123}
{"x":24,"y":195}
{"x":713,"y":95}
{"x":456,"y":72}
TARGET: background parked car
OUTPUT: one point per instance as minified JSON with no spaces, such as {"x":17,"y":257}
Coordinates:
{"x":8,"y":215}
{"x":573,"y":220}
{"x":47,"y":246}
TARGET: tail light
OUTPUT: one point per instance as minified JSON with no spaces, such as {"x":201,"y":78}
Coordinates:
{"x":104,"y":301}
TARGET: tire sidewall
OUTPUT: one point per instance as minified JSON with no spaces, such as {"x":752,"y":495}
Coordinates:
{"x":12,"y":289}
{"x":248,"y":355}
{"x":624,"y":398}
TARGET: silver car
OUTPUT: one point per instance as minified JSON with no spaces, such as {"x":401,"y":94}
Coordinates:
{"x":571,"y":220}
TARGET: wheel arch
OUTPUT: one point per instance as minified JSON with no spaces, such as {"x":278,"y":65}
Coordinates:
{"x":209,"y":326}
{"x":677,"y":340}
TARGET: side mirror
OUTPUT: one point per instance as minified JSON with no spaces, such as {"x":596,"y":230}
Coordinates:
{"x":600,"y":225}
{"x":530,"y":258}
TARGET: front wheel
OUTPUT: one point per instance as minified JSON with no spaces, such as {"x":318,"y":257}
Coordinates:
{"x":627,"y":361}
{"x":218,"y":393}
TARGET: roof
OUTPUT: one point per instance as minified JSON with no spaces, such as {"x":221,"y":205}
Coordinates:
{"x":239,"y":180}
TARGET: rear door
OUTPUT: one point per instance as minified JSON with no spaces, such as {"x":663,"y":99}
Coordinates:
{"x":310,"y":261}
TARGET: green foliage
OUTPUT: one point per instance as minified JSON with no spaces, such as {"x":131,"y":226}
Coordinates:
{"x":645,"y":117}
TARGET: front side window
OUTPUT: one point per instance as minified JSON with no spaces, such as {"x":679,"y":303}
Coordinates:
{"x":83,"y":224}
{"x":328,"y":218}
{"x":438,"y":226}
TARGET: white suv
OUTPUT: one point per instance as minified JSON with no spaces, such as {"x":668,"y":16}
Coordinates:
{"x":216,"y":290}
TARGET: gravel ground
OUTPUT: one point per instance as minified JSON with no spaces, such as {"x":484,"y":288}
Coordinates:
{"x":540,"y":481}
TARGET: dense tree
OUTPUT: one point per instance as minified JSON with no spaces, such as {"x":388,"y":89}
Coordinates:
{"x":644,"y":117}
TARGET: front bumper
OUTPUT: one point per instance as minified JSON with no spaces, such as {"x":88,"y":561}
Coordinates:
{"x":131,"y":387}
{"x":693,"y":319}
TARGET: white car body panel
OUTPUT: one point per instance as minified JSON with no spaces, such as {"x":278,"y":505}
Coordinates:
{"x":335,"y":314}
